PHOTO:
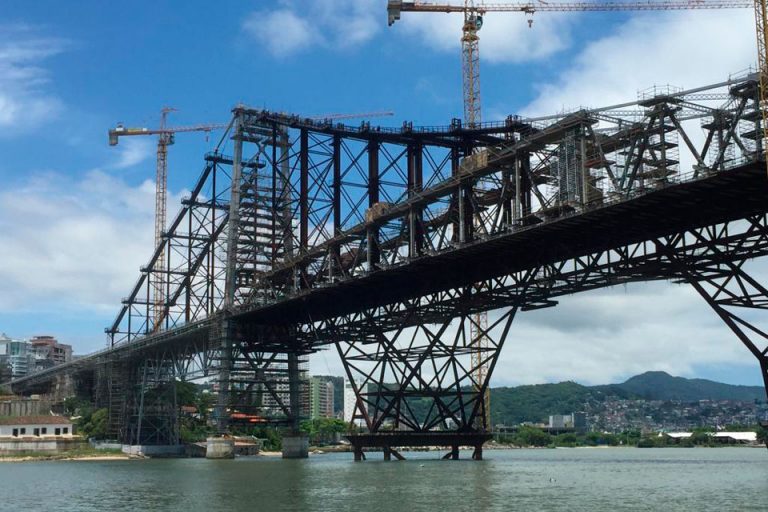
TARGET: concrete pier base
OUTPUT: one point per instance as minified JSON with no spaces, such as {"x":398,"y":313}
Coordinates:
{"x":220,"y":448}
{"x":295,"y":447}
{"x":161,"y":450}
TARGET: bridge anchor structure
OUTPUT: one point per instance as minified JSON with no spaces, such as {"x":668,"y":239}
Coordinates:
{"x":384,"y":244}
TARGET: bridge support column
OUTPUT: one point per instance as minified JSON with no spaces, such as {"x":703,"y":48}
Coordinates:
{"x":735,"y":296}
{"x":412,"y":370}
{"x":295,"y":445}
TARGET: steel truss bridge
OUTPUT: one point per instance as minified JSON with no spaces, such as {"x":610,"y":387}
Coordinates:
{"x":383,"y":243}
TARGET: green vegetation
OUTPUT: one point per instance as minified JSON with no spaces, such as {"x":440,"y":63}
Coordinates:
{"x":323,"y":430}
{"x":534,"y":403}
{"x":511,"y":406}
{"x":528,"y":436}
{"x":762,"y":434}
{"x":89,"y":422}
{"x":194,"y":427}
{"x":92,"y":424}
{"x":662,"y":386}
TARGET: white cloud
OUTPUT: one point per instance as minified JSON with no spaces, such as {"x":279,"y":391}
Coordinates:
{"x":504,"y":37}
{"x":606,"y":336}
{"x":283,"y":32}
{"x":73,"y":243}
{"x":134,"y":151}
{"x":24,"y":100}
{"x":685,"y":49}
{"x":302,"y":24}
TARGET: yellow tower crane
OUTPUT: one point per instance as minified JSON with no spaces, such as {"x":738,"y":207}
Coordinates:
{"x":470,"y":50}
{"x":165,"y":137}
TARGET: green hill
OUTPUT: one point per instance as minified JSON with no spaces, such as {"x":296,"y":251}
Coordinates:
{"x":536,"y":402}
{"x":663,"y":386}
{"x":512,"y":405}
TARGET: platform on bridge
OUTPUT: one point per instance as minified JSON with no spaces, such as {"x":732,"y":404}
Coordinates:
{"x":388,"y":441}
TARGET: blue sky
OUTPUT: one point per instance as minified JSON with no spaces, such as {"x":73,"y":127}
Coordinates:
{"x":76,"y":214}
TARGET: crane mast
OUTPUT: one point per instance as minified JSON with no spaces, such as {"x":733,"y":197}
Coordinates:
{"x":165,"y":138}
{"x":761,"y":27}
{"x":470,"y":48}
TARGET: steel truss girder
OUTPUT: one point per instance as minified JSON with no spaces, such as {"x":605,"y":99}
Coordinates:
{"x":399,"y":354}
{"x":461,"y":197}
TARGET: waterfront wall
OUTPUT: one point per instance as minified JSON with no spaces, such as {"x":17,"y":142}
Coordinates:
{"x":32,"y":444}
{"x":25,"y":407}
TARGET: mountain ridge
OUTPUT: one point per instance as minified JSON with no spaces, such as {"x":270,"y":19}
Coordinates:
{"x":534,"y":402}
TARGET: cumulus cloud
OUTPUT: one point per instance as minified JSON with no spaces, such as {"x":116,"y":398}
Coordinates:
{"x":684,"y":49}
{"x":504,"y":37}
{"x":134,"y":151}
{"x":606,"y":336}
{"x":300,"y":25}
{"x":77,"y":243}
{"x":74,"y":243}
{"x":25,"y":100}
{"x":283,"y":32}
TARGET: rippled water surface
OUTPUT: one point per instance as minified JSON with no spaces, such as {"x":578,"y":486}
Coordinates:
{"x":562,"y":479}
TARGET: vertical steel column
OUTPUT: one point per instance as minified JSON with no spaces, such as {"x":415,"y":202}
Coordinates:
{"x":372,"y":245}
{"x":274,"y":196}
{"x":525,"y":184}
{"x":517,"y":205}
{"x":294,"y":385}
{"x":583,"y":169}
{"x":142,"y":391}
{"x":466,"y":210}
{"x":303,"y":201}
{"x":456,"y":205}
{"x":334,"y":256}
{"x":222,"y":334}
{"x":233,"y":226}
{"x":415,"y":185}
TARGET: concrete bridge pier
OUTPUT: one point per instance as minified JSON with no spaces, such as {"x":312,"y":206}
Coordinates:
{"x":296,"y":444}
{"x":220,"y":448}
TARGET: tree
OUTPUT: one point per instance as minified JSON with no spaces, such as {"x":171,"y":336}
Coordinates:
{"x":762,"y":434}
{"x":93,"y":425}
{"x":570,"y":440}
{"x":701,"y":436}
{"x":532,"y":436}
{"x":323,"y":430}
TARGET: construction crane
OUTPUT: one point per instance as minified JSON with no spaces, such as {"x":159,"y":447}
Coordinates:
{"x":470,"y":49}
{"x":165,"y":137}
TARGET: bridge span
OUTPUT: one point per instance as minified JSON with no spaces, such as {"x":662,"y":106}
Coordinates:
{"x":383,"y":244}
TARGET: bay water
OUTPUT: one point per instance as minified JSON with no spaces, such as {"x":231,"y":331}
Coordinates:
{"x":597,"y":479}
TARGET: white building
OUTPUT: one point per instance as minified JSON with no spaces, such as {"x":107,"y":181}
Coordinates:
{"x":350,"y":405}
{"x":35,"y":426}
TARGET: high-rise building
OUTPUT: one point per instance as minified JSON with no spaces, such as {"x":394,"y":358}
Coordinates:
{"x":19,"y":356}
{"x":320,"y":398}
{"x":351,"y":411}
{"x":48,"y":350}
{"x":25,"y":357}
